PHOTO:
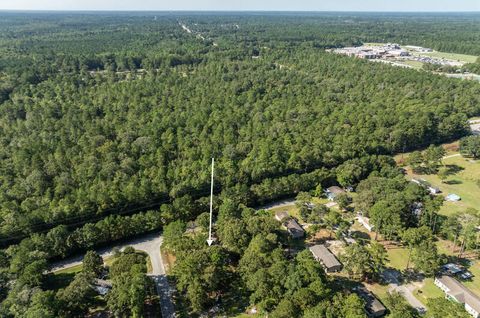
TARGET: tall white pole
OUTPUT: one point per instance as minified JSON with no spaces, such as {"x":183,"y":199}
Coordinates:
{"x":210,"y":240}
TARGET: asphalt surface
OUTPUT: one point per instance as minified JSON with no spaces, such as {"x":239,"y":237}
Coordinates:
{"x":278,"y":204}
{"x":149,"y":244}
{"x":392,"y":278}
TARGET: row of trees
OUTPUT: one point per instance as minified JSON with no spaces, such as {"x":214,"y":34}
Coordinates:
{"x":77,"y":143}
{"x":470,"y":146}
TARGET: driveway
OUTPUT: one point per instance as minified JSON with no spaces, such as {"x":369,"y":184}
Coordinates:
{"x":149,"y":244}
{"x":392,"y":277}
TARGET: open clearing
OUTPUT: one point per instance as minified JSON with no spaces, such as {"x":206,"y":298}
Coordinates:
{"x":451,"y":56}
{"x":462,"y":183}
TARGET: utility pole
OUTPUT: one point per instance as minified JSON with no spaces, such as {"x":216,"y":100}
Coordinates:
{"x":210,"y":240}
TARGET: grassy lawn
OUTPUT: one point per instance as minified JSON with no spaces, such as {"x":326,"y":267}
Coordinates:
{"x":361,"y":233}
{"x":452,"y":56}
{"x":415,"y":64}
{"x":462,"y":183}
{"x":474,"y":284}
{"x":70,"y":270}
{"x":397,"y":258}
{"x":428,"y":291}
{"x":292,"y":210}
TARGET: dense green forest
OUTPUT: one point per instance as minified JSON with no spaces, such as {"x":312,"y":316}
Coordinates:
{"x":108,"y":123}
{"x":102,"y":113}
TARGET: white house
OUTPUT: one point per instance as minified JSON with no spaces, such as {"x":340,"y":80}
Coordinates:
{"x":363,"y":220}
{"x":456,"y":291}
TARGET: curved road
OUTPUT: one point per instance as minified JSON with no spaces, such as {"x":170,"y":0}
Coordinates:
{"x":149,"y":244}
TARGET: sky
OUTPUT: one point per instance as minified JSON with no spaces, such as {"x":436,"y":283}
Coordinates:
{"x":245,"y":5}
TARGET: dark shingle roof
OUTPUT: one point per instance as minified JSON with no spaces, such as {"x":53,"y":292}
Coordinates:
{"x":322,"y":253}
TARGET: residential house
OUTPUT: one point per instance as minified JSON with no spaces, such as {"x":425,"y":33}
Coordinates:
{"x":323,"y":255}
{"x":373,"y":306}
{"x":456,"y":291}
{"x":333,"y":192}
{"x":426,"y":185}
{"x":295,"y":230}
{"x":363,"y":220}
{"x":280,"y":216}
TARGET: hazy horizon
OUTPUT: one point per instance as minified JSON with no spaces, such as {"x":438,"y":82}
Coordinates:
{"x":245,"y":5}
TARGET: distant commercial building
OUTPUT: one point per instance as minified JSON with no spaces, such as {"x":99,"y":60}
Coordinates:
{"x":295,"y":230}
{"x":398,"y":53}
{"x":456,"y":291}
{"x":329,"y":262}
{"x":419,"y":48}
{"x":368,"y":55}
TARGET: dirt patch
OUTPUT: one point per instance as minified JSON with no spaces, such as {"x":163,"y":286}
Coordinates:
{"x":451,"y":147}
{"x":168,"y":260}
{"x":321,"y":236}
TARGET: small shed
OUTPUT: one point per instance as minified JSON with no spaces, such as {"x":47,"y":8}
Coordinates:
{"x":295,"y":230}
{"x":434,"y":190}
{"x":453,"y":197}
{"x":324,"y":256}
{"x":452,"y":268}
{"x":281,"y":215}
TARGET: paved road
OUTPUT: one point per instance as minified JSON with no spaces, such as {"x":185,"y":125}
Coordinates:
{"x":392,"y":277}
{"x":149,"y":244}
{"x":278,"y":204}
{"x":158,"y":274}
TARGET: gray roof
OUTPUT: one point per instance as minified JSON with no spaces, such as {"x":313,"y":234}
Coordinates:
{"x":281,"y":215}
{"x":460,"y":292}
{"x":292,"y":224}
{"x":335,"y":190}
{"x":322,"y":253}
{"x":372,"y":304}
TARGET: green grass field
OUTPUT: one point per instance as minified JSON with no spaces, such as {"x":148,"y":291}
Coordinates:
{"x":462,"y":183}
{"x":428,"y":291}
{"x":415,"y":64}
{"x":474,"y":284}
{"x":397,"y":258}
{"x":70,"y":270}
{"x":452,"y":56}
{"x":292,"y":209}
